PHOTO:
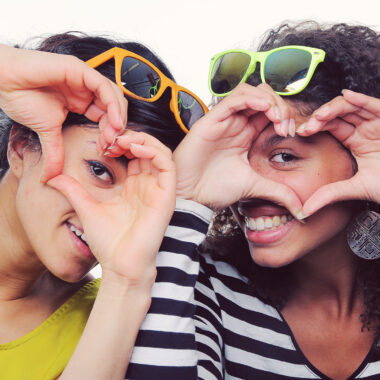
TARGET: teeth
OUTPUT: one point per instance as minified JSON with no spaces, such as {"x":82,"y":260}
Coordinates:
{"x":251,"y":223}
{"x":267,"y":222}
{"x":260,"y":225}
{"x":80,"y":234}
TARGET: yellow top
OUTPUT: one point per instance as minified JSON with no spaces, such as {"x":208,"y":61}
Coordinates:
{"x":43,"y":353}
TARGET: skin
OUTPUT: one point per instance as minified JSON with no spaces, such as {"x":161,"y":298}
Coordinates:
{"x":40,"y":95}
{"x":304,"y":165}
{"x":324,"y":309}
{"x":323,"y":266}
{"x":43,"y":263}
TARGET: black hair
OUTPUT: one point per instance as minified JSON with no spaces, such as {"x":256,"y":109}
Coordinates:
{"x":352,"y":62}
{"x":153,"y":118}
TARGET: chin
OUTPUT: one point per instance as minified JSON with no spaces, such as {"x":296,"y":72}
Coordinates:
{"x":270,"y":258}
{"x":71,"y":275}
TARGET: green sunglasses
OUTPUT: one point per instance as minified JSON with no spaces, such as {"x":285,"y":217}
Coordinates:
{"x":287,"y":69}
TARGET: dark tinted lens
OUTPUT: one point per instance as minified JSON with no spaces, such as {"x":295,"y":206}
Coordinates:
{"x":139,"y":78}
{"x":286,"y":70}
{"x":228,"y":71}
{"x":189,"y":109}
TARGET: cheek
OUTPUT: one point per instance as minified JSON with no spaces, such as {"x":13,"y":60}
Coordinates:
{"x":305,"y":179}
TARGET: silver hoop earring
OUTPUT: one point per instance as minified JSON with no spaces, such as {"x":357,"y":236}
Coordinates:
{"x":363,"y":235}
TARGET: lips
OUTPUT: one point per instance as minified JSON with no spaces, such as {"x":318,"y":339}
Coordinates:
{"x":265,"y":221}
{"x":79,"y":240}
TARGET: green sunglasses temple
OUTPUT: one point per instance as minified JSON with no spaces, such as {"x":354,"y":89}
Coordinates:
{"x":317,"y":56}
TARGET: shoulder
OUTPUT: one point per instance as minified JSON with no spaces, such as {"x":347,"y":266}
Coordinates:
{"x":232,"y":289}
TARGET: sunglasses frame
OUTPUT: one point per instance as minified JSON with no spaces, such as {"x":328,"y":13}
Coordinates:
{"x":118,"y":54}
{"x":317,"y":56}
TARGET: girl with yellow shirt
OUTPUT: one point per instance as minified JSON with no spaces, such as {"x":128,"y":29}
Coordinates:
{"x":83,"y":201}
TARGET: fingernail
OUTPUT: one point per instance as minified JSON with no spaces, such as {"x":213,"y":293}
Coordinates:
{"x":300,"y":217}
{"x":106,"y":153}
{"x":277,"y":113}
{"x":323,"y":111}
{"x":292,"y":127}
{"x":285,"y":127}
{"x":301,"y":128}
{"x":345,"y":90}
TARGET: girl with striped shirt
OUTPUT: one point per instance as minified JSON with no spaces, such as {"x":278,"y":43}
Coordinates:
{"x":285,"y":298}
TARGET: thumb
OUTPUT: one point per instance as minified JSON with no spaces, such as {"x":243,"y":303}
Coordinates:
{"x":52,"y":153}
{"x":76,"y":194}
{"x":278,"y":193}
{"x":332,"y":192}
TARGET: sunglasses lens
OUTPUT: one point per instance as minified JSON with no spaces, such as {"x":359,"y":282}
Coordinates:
{"x":139,"y":78}
{"x":189,"y":109}
{"x":286,"y":70}
{"x":228,"y":71}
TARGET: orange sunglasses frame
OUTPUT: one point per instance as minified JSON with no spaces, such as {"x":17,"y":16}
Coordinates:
{"x":119,"y":54}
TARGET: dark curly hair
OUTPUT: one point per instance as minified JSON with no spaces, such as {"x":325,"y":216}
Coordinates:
{"x":352,"y":62}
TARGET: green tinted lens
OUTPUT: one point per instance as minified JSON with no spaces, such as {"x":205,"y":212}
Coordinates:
{"x":139,"y":78}
{"x":189,"y":109}
{"x":286,"y":70}
{"x":228,"y":71}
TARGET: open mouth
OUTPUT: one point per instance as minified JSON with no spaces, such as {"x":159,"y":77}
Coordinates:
{"x":80,"y":234}
{"x":267,"y":223}
{"x":262,"y":215}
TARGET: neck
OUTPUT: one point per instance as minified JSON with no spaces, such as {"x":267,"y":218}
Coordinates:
{"x":19,"y":266}
{"x":327,"y":277}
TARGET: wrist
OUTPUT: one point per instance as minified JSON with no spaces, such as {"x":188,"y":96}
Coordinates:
{"x":115,"y":285}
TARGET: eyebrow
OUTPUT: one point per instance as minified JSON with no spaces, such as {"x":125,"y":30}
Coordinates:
{"x":276,"y":139}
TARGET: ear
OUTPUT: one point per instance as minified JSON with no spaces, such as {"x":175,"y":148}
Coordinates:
{"x":15,"y":152}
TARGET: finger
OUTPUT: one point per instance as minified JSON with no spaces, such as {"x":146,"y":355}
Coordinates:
{"x":134,"y":167}
{"x":354,"y":119}
{"x":52,"y":153}
{"x":330,"y":193}
{"x":286,"y":124}
{"x":339,"y":128}
{"x":259,"y":121}
{"x":76,"y":194}
{"x":367,"y":103}
{"x":244,"y":97}
{"x":141,"y":138}
{"x":284,"y":195}
{"x":163,"y":164}
{"x":338,"y":107}
{"x":94,"y":113}
{"x":105,"y":91}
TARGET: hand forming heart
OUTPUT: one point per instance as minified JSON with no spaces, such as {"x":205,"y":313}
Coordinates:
{"x":212,"y":164}
{"x":212,"y":161}
{"x":353,"y":119}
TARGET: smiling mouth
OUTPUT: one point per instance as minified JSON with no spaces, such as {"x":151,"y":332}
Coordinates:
{"x":263,"y":215}
{"x":267,"y":223}
{"x":80,"y":234}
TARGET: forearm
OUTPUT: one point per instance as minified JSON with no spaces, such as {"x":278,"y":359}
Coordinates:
{"x":106,"y":344}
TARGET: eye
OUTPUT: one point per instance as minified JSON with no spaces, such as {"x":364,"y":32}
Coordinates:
{"x":283,"y":158}
{"x":99,"y":171}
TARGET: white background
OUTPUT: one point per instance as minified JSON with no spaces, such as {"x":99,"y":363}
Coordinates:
{"x":184,"y":33}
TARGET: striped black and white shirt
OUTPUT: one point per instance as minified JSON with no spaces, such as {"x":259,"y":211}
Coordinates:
{"x":204,"y":324}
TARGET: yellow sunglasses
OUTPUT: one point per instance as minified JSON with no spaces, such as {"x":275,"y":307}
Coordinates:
{"x":142,"y":80}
